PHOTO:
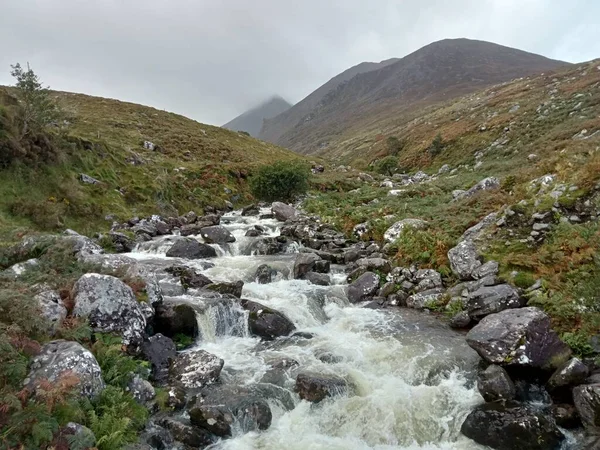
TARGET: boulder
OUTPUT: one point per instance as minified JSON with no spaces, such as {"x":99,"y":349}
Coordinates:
{"x":519,"y":338}
{"x":477,"y":231}
{"x":253,"y":233}
{"x":319,"y":279}
{"x":110,"y":307}
{"x":264,"y":274}
{"x":495,"y":384}
{"x":234,"y":289}
{"x":305,"y":262}
{"x":487,"y":184}
{"x":191,"y":249}
{"x":216,"y":234}
{"x":511,"y":427}
{"x":425,"y":299}
{"x":191,"y":279}
{"x":566,"y":416}
{"x":460,"y":320}
{"x":464,"y":259}
{"x":492,"y":299}
{"x":64,"y":358}
{"x":266,"y":322}
{"x":251,"y":210}
{"x":160,"y":351}
{"x":427,"y":279}
{"x":173,"y":318}
{"x":283,"y":212}
{"x":141,"y":390}
{"x":571,"y":373}
{"x":121,"y":242}
{"x":52,"y":309}
{"x":587,"y":402}
{"x":394,"y":232}
{"x":323,"y":265}
{"x":191,"y":436}
{"x":194,"y":369}
{"x":375,"y":264}
{"x":363,"y":287}
{"x":315,"y":387}
{"x":490,"y":268}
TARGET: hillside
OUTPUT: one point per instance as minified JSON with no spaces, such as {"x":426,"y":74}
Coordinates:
{"x":273,"y":129}
{"x":146,"y":161}
{"x":437,"y":72}
{"x":251,"y":121}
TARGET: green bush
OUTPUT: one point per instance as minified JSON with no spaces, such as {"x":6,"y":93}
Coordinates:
{"x":437,"y":145}
{"x":387,"y":165}
{"x":117,"y":367}
{"x":426,"y":248}
{"x":394,"y":145}
{"x":282,"y":181}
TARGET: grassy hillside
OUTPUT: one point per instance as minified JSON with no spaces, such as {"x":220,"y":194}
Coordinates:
{"x":192,"y":165}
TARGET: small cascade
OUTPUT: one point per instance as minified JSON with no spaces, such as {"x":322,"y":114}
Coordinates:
{"x":222,"y":318}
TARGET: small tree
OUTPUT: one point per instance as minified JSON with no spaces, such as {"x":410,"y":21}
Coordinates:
{"x":437,"y":145}
{"x":280,"y":181}
{"x":38,"y":109}
{"x":394,"y":145}
{"x":387,"y":165}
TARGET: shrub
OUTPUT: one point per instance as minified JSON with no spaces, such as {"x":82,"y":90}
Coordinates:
{"x":394,"y":145}
{"x":117,"y":367}
{"x":387,"y":165}
{"x":524,"y":280}
{"x":437,"y":145}
{"x":281,"y":181}
{"x":427,"y":248}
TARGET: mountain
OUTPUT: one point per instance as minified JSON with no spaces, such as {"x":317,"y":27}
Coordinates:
{"x":437,"y":72}
{"x":252,"y":121}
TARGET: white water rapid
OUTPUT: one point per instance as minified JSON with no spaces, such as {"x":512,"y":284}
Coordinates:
{"x":413,"y":378}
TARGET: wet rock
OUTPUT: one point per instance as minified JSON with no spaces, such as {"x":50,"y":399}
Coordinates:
{"x":492,"y":299}
{"x":510,"y":427}
{"x":495,"y":384}
{"x":189,"y":435}
{"x":464,"y":259}
{"x":173,"y":318}
{"x":110,"y":306}
{"x":264,"y":274}
{"x":195,"y":368}
{"x":322,"y":266}
{"x":190,"y":279}
{"x":234,"y":289}
{"x":266,"y":322}
{"x":216,"y":234}
{"x":375,"y":264}
{"x":252,"y":233}
{"x":571,"y":373}
{"x":394,"y":232}
{"x":519,"y":338}
{"x":52,"y":309}
{"x":425,"y":299}
{"x":566,"y":416}
{"x":319,"y":279}
{"x":191,"y":249}
{"x":487,"y":184}
{"x":460,"y":320}
{"x":305,"y":262}
{"x":121,"y":242}
{"x":141,"y":390}
{"x":160,"y":351}
{"x":251,"y":210}
{"x":63,"y":358}
{"x":363,"y":287}
{"x":315,"y":387}
{"x":587,"y":402}
{"x":387,"y":289}
{"x":283,"y":212}
{"x":191,"y":229}
{"x":268,"y":246}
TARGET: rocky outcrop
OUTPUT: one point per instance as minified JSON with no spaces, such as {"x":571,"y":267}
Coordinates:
{"x":52,"y":309}
{"x":195,"y":369}
{"x":425,"y":299}
{"x":394,"y":232}
{"x":495,"y":384}
{"x":315,"y":387}
{"x":519,"y":338}
{"x":63,"y":359}
{"x":487,"y":184}
{"x":510,"y":427}
{"x":363,"y":287}
{"x":160,"y":351}
{"x":110,"y":306}
{"x":587,"y":402}
{"x":216,"y":234}
{"x":283,"y":212}
{"x":190,"y":248}
{"x":266,"y":322}
{"x":493,"y":299}
{"x":305,"y":262}
{"x":464,"y":259}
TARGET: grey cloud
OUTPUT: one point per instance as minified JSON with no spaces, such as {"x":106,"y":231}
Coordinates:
{"x":210,"y":60}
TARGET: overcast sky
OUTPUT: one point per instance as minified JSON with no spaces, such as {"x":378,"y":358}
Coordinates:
{"x":212,"y":59}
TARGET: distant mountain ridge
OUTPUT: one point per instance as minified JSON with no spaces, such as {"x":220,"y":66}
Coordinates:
{"x":251,"y":121}
{"x":359,"y":98}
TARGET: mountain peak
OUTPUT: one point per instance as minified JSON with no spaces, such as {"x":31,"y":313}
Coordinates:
{"x":251,"y":121}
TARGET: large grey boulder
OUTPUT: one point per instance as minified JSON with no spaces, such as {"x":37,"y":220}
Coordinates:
{"x":488,"y":269}
{"x":52,"y":309}
{"x":519,"y":338}
{"x":266,"y":322}
{"x":305,"y":262}
{"x":511,"y":427}
{"x":191,"y":249}
{"x":425,"y":299}
{"x":492,"y":299}
{"x":495,"y":384}
{"x":427,"y":279}
{"x":64,"y":358}
{"x":372,"y":264}
{"x":464,"y":259}
{"x":587,"y":402}
{"x":363,"y":287}
{"x":160,"y":351}
{"x":195,"y":369}
{"x":216,"y":234}
{"x":394,"y":232}
{"x":571,"y":373}
{"x":487,"y":184}
{"x":110,"y":306}
{"x":315,"y":387}
{"x":283,"y":212}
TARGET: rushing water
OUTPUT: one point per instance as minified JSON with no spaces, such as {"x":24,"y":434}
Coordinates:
{"x":412,"y":377}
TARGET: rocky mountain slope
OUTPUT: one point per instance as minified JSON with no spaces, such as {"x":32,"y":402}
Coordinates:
{"x":437,"y":72}
{"x":252,"y":120}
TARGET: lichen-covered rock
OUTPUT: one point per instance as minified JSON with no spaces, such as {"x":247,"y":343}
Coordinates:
{"x":511,"y":427}
{"x":487,"y":184}
{"x":315,"y":387}
{"x":190,"y":248}
{"x":64,"y":358}
{"x":110,"y":306}
{"x":305,"y":262}
{"x":519,"y":338}
{"x":460,"y":320}
{"x":216,"y":234}
{"x":587,"y":402}
{"x":266,"y":322}
{"x":571,"y":373}
{"x":375,"y":264}
{"x":191,"y":436}
{"x":477,"y":231}
{"x":283,"y":212}
{"x":490,"y":268}
{"x":394,"y":232}
{"x":464,"y":259}
{"x":195,"y":368}
{"x":495,"y":384}
{"x":363,"y":287}
{"x":141,"y":390}
{"x":52,"y":309}
{"x":16,"y":270}
{"x":160,"y":351}
{"x":427,"y":279}
{"x":492,"y":299}
{"x":425,"y":299}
